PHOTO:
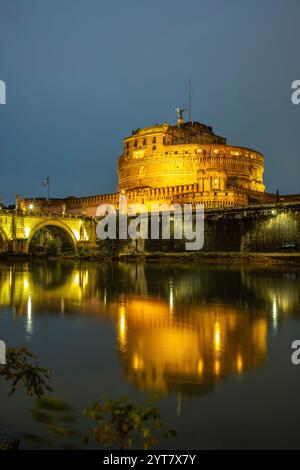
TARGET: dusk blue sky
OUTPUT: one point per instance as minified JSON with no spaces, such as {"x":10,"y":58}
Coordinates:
{"x":81,"y":74}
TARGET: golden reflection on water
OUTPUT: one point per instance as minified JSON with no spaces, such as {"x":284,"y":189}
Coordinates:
{"x":179,"y":329}
{"x":161,"y":353}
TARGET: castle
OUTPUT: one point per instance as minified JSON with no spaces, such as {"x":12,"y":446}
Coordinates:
{"x":182,"y":163}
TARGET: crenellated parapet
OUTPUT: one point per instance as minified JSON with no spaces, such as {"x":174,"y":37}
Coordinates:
{"x":211,"y":191}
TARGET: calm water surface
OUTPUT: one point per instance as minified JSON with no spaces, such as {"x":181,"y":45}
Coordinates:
{"x":212,"y":342}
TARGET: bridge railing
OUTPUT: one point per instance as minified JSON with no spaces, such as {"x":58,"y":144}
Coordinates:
{"x":43,"y":214}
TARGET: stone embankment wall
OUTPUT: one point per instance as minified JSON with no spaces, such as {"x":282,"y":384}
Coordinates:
{"x":269,"y":228}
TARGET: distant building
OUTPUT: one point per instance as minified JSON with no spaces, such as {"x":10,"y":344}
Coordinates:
{"x":182,"y":163}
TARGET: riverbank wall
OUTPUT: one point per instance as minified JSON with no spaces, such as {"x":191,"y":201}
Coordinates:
{"x":272,"y":228}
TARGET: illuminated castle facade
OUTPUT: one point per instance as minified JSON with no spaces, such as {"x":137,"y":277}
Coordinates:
{"x":188,"y":162}
{"x":182,"y":163}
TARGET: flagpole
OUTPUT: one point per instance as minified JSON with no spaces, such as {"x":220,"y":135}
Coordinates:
{"x":48,"y":188}
{"x":190,"y":99}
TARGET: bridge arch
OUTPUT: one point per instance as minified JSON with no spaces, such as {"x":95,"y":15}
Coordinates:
{"x":56,"y":229}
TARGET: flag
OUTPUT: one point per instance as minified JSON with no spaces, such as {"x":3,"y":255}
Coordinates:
{"x":46,"y":183}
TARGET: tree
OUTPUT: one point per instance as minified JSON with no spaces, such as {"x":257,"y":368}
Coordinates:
{"x":53,"y":247}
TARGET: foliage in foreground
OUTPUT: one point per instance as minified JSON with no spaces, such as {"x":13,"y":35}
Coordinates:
{"x":126,"y":425}
{"x":19,"y":369}
{"x":10,"y":445}
{"x":118,"y":423}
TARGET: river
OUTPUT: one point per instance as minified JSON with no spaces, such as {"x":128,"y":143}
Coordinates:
{"x":212,"y":343}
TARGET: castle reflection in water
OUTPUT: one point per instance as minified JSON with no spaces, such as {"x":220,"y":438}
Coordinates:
{"x":178,"y":328}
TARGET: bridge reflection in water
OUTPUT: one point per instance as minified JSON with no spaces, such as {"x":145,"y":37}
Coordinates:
{"x":179,"y":329}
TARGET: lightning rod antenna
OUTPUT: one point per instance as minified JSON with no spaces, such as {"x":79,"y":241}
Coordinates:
{"x":190,"y":99}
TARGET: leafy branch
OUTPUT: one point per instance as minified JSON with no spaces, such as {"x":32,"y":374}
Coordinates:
{"x":20,"y":369}
{"x":124,"y":424}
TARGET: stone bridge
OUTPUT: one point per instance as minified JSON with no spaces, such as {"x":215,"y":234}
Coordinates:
{"x":17,"y":230}
{"x":257,"y":228}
